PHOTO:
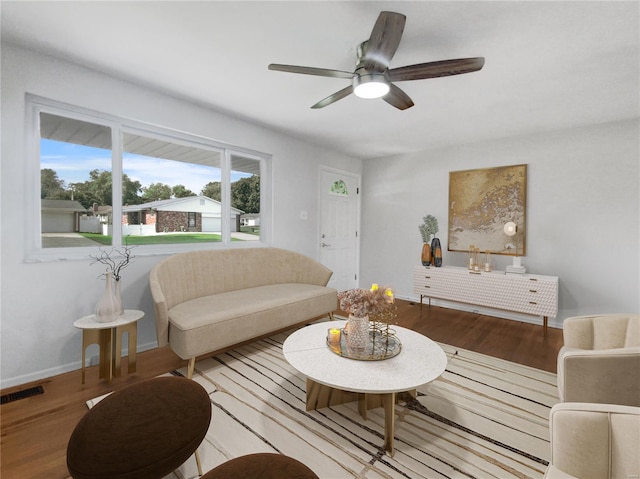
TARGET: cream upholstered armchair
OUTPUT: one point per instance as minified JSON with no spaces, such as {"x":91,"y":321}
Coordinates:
{"x":594,"y":441}
{"x":600,"y":359}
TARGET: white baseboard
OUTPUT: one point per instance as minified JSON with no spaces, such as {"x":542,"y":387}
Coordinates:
{"x":63,"y":368}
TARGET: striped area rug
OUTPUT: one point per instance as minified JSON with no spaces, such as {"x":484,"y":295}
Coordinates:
{"x":483,"y":418}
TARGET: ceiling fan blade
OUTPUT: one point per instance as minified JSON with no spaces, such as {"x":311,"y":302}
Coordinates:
{"x":323,"y":72}
{"x":384,"y":41}
{"x":396,"y":97}
{"x":339,"y":95}
{"x":442,"y":68}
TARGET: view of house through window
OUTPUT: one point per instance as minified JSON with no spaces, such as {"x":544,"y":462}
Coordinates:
{"x":172,"y":190}
{"x":75,"y":181}
{"x":171,"y":181}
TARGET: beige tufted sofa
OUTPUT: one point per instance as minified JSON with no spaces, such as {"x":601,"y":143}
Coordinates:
{"x":594,"y":441}
{"x":600,"y":359}
{"x":208,"y":301}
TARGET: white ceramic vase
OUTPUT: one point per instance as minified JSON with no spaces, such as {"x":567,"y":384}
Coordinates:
{"x":108,"y":308}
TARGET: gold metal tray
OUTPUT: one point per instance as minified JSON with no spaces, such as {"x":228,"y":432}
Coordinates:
{"x":380,"y":347}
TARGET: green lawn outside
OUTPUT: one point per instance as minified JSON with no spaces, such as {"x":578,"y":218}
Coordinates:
{"x":160,"y":239}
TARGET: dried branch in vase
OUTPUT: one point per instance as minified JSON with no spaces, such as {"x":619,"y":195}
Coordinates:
{"x":114,"y":267}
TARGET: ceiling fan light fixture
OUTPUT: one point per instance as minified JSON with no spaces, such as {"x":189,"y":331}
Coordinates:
{"x":372,"y":77}
{"x":370,"y":85}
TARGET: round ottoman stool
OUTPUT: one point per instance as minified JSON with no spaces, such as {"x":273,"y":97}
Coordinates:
{"x":143,"y":431}
{"x":261,"y":466}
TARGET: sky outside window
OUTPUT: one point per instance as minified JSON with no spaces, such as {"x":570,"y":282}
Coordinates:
{"x":73,"y":163}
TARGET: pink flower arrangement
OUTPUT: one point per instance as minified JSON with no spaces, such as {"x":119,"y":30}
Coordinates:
{"x":364,"y":302}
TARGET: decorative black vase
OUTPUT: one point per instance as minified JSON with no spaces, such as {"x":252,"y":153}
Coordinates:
{"x":436,"y":252}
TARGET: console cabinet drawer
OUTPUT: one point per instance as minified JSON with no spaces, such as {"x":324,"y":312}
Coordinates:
{"x":530,"y":294}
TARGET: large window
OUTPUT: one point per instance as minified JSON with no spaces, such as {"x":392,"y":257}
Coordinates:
{"x":172,"y":188}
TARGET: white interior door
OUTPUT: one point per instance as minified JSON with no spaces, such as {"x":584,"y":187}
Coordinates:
{"x":339,"y":224}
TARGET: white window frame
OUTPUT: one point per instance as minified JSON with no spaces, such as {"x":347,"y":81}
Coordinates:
{"x":34,"y":252}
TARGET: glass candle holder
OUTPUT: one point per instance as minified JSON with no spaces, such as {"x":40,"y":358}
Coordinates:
{"x":487,"y":262}
{"x":333,"y":334}
{"x":471,"y":261}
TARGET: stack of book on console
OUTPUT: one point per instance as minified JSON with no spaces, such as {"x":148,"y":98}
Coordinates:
{"x":515,"y":269}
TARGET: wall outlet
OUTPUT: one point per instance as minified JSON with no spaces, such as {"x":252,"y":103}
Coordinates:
{"x":304,"y":215}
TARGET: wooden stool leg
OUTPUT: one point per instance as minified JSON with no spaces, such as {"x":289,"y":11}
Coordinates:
{"x":89,"y":337}
{"x":132,"y":341}
{"x":117,"y":354}
{"x":389,"y":401}
{"x":362,"y":405}
{"x":106,"y":353}
{"x":197,"y":454}
{"x":84,"y":352}
{"x":111,"y":353}
{"x":133,"y":344}
{"x":86,"y":341}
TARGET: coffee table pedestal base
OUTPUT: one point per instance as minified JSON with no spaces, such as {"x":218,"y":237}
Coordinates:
{"x":320,"y":396}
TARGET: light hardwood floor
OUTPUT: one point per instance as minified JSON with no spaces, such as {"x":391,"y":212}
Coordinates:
{"x":35,"y":430}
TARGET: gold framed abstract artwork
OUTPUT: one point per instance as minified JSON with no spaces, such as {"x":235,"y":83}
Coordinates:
{"x":481,"y":202}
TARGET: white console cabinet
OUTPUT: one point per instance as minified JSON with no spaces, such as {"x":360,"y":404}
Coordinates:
{"x":532,"y":294}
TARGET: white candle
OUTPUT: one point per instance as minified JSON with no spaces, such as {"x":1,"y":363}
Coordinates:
{"x":389,"y":295}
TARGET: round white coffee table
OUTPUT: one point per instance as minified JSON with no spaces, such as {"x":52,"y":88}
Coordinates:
{"x":333,"y":379}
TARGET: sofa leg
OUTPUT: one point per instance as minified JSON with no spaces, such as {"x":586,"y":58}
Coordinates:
{"x":191,"y":367}
{"x":331,"y":318}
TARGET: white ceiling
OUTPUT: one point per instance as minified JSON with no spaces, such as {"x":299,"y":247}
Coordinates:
{"x":549,"y":64}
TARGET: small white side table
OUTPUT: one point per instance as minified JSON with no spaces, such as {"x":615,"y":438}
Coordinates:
{"x":105,"y":335}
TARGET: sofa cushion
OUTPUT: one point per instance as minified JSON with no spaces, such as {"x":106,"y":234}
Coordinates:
{"x":215,"y":322}
{"x":594,"y":441}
